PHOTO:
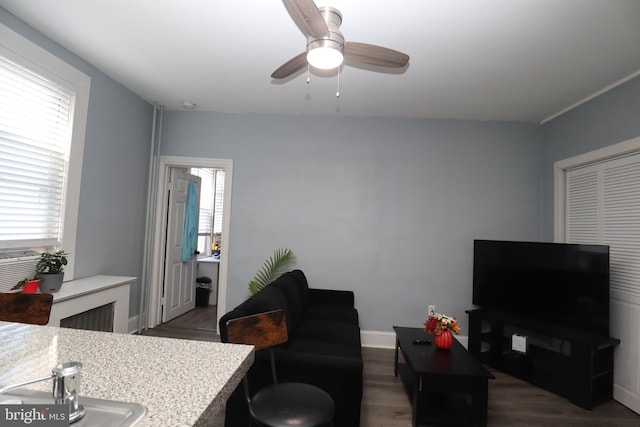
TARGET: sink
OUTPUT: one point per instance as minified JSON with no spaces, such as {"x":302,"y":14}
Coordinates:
{"x":98,"y":412}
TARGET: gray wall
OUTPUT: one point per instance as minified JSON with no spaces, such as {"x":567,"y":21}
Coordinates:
{"x":387,"y":208}
{"x":606,"y":120}
{"x":114,"y":176}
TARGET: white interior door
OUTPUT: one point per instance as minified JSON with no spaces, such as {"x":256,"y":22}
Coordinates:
{"x":179,"y":276}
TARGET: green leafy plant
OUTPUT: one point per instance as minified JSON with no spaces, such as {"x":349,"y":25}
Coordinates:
{"x":281,"y":260}
{"x":51,"y":262}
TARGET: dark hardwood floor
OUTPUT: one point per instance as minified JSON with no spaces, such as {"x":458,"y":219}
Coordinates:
{"x":512,"y":403}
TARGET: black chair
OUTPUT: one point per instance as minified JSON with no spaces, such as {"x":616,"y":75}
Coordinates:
{"x":279,"y":404}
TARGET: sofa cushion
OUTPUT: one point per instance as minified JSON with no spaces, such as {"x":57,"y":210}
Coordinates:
{"x":324,"y":348}
{"x":332,"y":312}
{"x":329,"y":331}
{"x":331,"y":297}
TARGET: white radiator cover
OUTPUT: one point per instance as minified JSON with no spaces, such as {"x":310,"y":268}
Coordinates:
{"x":80,"y":296}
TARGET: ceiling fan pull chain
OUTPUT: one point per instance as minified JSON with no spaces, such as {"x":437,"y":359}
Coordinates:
{"x":338,"y":90}
{"x":308,"y":75}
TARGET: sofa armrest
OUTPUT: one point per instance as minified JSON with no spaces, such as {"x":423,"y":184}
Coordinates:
{"x":331,"y":297}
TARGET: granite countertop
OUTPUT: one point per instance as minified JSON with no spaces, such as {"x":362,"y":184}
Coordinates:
{"x":181,"y":382}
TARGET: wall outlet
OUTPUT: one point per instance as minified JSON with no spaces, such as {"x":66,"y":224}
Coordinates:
{"x":432,"y":310}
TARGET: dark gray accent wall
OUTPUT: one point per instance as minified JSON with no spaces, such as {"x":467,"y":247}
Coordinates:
{"x":387,"y":208}
{"x":113,"y":195}
{"x":608,"y":119}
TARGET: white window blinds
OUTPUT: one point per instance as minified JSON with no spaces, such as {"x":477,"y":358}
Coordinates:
{"x":603,"y":206}
{"x":35,"y":141}
{"x":219,"y":197}
{"x":211,"y":197}
{"x":205,"y":215}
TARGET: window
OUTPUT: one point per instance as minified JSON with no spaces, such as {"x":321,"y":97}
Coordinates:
{"x":210,"y":215}
{"x":217,"y":203}
{"x":43,"y":110}
{"x":35,"y":142}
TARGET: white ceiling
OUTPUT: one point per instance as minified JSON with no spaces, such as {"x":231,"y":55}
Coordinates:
{"x":524,"y":60}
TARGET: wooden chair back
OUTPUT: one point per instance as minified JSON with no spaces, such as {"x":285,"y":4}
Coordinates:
{"x":262,"y":330}
{"x":25,"y":308}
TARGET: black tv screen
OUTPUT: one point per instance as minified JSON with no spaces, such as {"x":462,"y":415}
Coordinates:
{"x":558,"y":283}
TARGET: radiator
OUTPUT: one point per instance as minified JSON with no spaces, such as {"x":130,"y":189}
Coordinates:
{"x":14,"y":270}
{"x":97,"y":319}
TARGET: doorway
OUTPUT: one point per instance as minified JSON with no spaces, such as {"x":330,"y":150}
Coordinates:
{"x":157,"y":270}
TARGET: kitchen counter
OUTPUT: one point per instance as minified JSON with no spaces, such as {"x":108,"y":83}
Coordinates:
{"x":181,"y":382}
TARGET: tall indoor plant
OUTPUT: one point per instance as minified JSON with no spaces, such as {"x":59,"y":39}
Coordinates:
{"x":281,"y":260}
{"x":50,"y":270}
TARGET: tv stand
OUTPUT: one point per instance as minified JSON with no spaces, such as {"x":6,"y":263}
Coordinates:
{"x":566,"y":361}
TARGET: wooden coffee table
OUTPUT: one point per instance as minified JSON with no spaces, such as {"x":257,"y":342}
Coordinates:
{"x":446,"y":387}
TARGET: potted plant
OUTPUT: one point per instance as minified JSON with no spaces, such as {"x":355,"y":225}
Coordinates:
{"x":28,"y":285}
{"x":50,"y":271}
{"x":272,"y":268}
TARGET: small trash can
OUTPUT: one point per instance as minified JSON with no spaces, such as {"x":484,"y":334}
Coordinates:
{"x":203,"y":289}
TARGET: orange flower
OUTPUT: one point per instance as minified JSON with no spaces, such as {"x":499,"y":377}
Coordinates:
{"x":438,"y":323}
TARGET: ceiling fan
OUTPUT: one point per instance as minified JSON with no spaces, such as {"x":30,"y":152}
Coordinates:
{"x":326,"y":48}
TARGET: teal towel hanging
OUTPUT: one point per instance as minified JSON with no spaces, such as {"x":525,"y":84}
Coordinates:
{"x":190,"y":235}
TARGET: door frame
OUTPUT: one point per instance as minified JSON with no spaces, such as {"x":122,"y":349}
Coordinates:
{"x":159,"y":232}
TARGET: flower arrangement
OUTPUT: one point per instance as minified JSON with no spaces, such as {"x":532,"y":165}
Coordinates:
{"x":438,"y":323}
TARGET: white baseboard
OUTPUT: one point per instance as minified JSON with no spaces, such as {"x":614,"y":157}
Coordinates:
{"x":380,"y":339}
{"x":374,"y":339}
{"x":627,"y":398}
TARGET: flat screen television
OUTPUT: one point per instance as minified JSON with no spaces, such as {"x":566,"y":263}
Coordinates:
{"x":557,"y":283}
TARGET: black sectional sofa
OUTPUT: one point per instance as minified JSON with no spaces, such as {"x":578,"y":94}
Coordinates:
{"x":323,"y":348}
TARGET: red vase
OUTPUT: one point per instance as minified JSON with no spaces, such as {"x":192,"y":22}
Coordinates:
{"x":444,"y":341}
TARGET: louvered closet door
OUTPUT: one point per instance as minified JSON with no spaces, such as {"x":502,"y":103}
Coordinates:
{"x":603,"y":206}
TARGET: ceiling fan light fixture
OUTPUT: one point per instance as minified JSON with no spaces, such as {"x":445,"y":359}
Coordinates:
{"x":325,"y":54}
{"x":325,"y":58}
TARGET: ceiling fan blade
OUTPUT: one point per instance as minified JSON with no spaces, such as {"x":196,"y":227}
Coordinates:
{"x":306,"y":15}
{"x":293,"y":65}
{"x":374,"y":55}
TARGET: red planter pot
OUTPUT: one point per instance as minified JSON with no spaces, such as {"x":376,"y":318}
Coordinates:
{"x":443,"y":341}
{"x":31,"y":287}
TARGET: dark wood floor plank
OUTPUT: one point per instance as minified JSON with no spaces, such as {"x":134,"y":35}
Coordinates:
{"x":512,"y":403}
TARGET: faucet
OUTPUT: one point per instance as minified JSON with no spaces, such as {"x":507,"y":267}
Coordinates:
{"x":66,"y":383}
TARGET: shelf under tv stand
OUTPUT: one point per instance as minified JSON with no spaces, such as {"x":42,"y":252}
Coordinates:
{"x":568,"y":362}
